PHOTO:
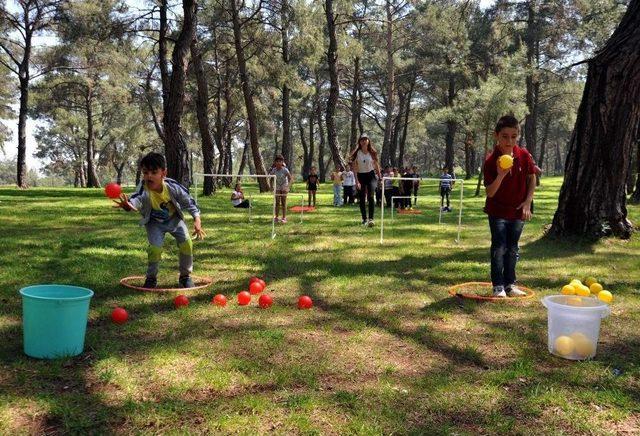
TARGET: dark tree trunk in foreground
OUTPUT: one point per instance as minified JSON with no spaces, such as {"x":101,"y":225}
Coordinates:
{"x":635,"y":198}
{"x":452,"y":127}
{"x":592,"y":199}
{"x":286,"y":92}
{"x":202,"y":101}
{"x":252,"y":117}
{"x":334,"y":90}
{"x":175,"y":147}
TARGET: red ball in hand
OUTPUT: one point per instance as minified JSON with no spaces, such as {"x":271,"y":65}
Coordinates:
{"x":244,"y":298}
{"x":255,"y":288}
{"x":219,"y":300}
{"x":119,"y":315}
{"x":180,"y":301}
{"x":305,"y":302}
{"x":112,"y":190}
{"x":265,"y":301}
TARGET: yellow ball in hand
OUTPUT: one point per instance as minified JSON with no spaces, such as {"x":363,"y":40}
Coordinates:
{"x":605,"y":296}
{"x":595,"y":288}
{"x":564,"y":346}
{"x":505,"y":161}
{"x":583,"y":291}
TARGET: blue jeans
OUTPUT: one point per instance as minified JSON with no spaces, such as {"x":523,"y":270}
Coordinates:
{"x":505,"y":235}
{"x":337,"y":195}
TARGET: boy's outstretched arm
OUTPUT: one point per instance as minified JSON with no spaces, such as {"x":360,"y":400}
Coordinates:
{"x":198,"y":231}
{"x":124,"y":203}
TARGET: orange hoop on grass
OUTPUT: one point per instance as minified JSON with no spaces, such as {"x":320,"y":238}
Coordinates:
{"x":462,"y":292}
{"x":302,"y":208}
{"x":200,"y":283}
{"x":409,"y":212}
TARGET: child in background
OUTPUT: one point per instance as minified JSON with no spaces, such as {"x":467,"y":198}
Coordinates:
{"x":348,"y":185}
{"x":446,"y":183}
{"x":407,"y":187}
{"x":416,"y":184}
{"x":161,"y":202}
{"x":283,"y":181}
{"x":336,"y":178}
{"x":312,"y":186}
{"x":237,"y":198}
{"x":388,"y":186}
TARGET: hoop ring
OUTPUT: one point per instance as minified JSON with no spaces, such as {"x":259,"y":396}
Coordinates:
{"x":200,"y":282}
{"x":459,"y":291}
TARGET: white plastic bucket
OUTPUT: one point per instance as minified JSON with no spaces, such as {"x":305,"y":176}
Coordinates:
{"x":574,"y":325}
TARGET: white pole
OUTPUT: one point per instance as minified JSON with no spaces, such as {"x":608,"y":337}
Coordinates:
{"x":460,"y":211}
{"x":382,"y":214}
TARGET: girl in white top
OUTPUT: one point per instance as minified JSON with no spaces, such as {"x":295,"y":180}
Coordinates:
{"x":237,"y":198}
{"x":367,"y":169}
{"x":348,"y":185}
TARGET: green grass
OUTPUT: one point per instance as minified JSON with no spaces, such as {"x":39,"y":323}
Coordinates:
{"x":384,"y":350}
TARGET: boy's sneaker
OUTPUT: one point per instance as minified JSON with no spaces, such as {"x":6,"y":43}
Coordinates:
{"x":150,"y":283}
{"x":498,"y":291}
{"x":370,"y":223}
{"x":283,"y":220}
{"x":513,"y":291}
{"x":276,"y":219}
{"x":365,"y":223}
{"x":186,"y":282}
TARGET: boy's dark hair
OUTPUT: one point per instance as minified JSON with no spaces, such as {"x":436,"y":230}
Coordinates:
{"x":153,"y":161}
{"x":507,"y":121}
{"x":279,"y":157}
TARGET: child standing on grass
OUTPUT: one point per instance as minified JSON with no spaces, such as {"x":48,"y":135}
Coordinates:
{"x":446,"y":183}
{"x":312,"y":185}
{"x":336,"y":178}
{"x":283,"y":181}
{"x":508,"y":204}
{"x":348,"y":185}
{"x":416,"y":184}
{"x":161,"y":202}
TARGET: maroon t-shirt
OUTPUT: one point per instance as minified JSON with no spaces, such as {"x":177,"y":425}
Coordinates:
{"x":513,"y":190}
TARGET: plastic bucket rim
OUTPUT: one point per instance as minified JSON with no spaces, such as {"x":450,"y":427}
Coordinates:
{"x":24,"y":293}
{"x":602,"y":308}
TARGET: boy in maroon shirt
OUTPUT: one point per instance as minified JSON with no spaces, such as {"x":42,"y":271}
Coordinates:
{"x":508,"y":204}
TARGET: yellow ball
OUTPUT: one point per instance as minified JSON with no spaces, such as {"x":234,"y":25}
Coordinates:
{"x":564,"y":346}
{"x":575,"y":283}
{"x":583,"y":291}
{"x":590,"y":280}
{"x":568,"y":290}
{"x":605,"y":296}
{"x":574,"y":301}
{"x":584,"y":347}
{"x":595,"y":288}
{"x":505,"y":161}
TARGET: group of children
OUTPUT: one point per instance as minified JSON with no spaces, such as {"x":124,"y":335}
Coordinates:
{"x":162,"y":202}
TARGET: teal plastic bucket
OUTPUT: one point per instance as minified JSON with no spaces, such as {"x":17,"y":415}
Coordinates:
{"x":54,"y":320}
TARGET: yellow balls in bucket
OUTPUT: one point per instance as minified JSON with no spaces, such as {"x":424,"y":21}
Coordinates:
{"x":605,"y":296}
{"x":564,"y":346}
{"x":595,"y":288}
{"x":568,"y":290}
{"x":505,"y":161}
{"x":574,"y":301}
{"x":584,"y":347}
{"x":583,"y":291}
{"x":590,"y":280}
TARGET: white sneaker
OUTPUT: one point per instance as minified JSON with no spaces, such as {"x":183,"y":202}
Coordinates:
{"x":498,"y":291}
{"x":513,"y":291}
{"x":370,"y":223}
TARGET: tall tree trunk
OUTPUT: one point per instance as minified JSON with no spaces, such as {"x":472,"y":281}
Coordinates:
{"x":532,"y":82}
{"x":286,"y":92}
{"x":322,"y":167}
{"x":486,"y":150}
{"x":248,"y":99}
{"x":468,"y":164}
{"x":592,"y":198}
{"x":452,"y":126}
{"x":558,"y":164}
{"x":175,"y":147}
{"x":334,"y":89}
{"x":243,"y":161}
{"x":306,"y":157}
{"x":92,"y":177}
{"x":21,"y":176}
{"x":395,"y":134}
{"x":355,"y":108}
{"x":405,"y":124}
{"x":202,"y":103}
{"x":312,"y":136}
{"x":635,"y":198}
{"x":119,"y":172}
{"x":389,"y":89}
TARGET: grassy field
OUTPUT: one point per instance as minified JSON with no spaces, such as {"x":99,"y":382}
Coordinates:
{"x":384,"y":350}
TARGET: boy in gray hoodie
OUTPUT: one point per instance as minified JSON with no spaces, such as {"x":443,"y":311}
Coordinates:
{"x":161,"y":201}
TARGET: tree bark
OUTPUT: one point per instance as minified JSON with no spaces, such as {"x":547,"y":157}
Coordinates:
{"x":286,"y":92}
{"x":389,"y":89}
{"x":532,"y":82}
{"x":306,"y":157}
{"x":452,"y":126}
{"x":248,"y":99}
{"x":405,"y":124}
{"x":468,"y":164}
{"x":355,"y":107}
{"x":635,"y":198}
{"x":592,"y":199}
{"x":312,"y":142}
{"x":202,"y":102}
{"x":334,"y":89}
{"x":175,"y":147}
{"x":92,"y":177}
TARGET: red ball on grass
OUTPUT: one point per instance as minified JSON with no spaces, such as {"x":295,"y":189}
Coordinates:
{"x":255,"y":288}
{"x":265,"y":301}
{"x":180,"y":301}
{"x":244,"y":298}
{"x":219,"y":300}
{"x":305,"y":302}
{"x":254,"y":279}
{"x":119,"y":315}
{"x":112,"y":190}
